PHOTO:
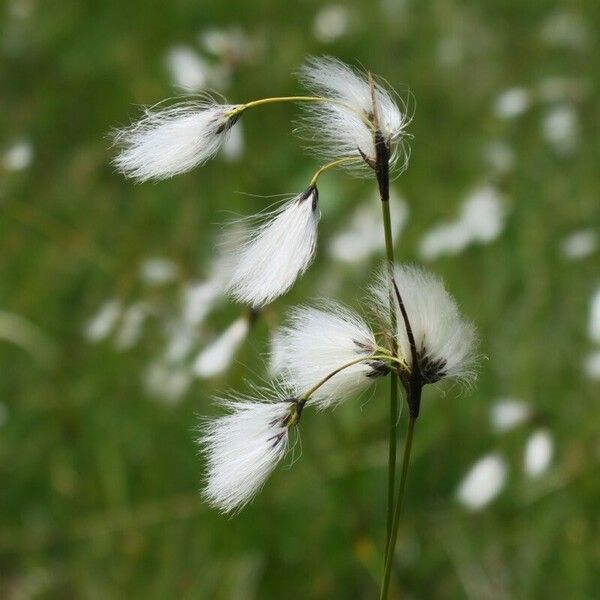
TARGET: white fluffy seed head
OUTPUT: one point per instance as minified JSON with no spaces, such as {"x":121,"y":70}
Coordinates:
{"x":266,"y":262}
{"x":169,"y":141}
{"x":444,"y":341}
{"x":341,"y":128}
{"x":242,"y":448}
{"x":318,"y":340}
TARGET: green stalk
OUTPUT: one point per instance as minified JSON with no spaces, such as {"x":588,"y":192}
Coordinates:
{"x":385,"y":585}
{"x":382,"y":174}
{"x":394,"y":414}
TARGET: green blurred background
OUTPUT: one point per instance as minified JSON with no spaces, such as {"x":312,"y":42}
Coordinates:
{"x":99,"y":472}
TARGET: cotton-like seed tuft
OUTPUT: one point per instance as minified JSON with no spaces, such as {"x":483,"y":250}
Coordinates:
{"x":267,"y":260}
{"x":444,"y":341}
{"x":317,"y":341}
{"x":242,"y":449}
{"x":167,"y":142}
{"x":344,"y":127}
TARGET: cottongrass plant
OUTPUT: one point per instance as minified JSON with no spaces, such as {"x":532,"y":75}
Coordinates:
{"x":325,"y":353}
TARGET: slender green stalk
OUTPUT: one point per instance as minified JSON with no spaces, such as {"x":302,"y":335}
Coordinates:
{"x":394,"y":414}
{"x":385,"y":585}
{"x":238,"y":110}
{"x":304,"y":397}
{"x":332,"y":165}
{"x":382,"y":173}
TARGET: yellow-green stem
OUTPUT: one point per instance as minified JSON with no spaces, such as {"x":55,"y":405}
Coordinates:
{"x":385,"y":585}
{"x":332,"y":165}
{"x":323,"y":381}
{"x":238,"y":110}
{"x":394,"y":409}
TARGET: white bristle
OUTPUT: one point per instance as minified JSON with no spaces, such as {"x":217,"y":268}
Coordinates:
{"x":242,"y":448}
{"x":316,"y":342}
{"x":169,"y":141}
{"x":267,"y":260}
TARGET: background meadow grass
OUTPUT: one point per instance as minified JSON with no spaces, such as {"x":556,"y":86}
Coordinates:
{"x":99,"y":478}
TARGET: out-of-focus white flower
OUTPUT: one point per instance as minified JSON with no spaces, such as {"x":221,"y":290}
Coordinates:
{"x":101,"y":325}
{"x":243,"y":448}
{"x":268,"y":259}
{"x":562,"y":89}
{"x":21,"y":9}
{"x":482,"y":214}
{"x":512,"y":102}
{"x":481,"y":220}
{"x":500,"y":156}
{"x":158,"y":270}
{"x":342,"y":127}
{"x":169,"y":141}
{"x":591,"y":365}
{"x":451,"y":50}
{"x":594,"y":323}
{"x":167,"y":382}
{"x":566,"y":29}
{"x":579,"y":244}
{"x":445,"y":342}
{"x":218,"y":355}
{"x":316,"y":342}
{"x":230,"y":44}
{"x":483,"y":482}
{"x":362,"y":238}
{"x":188,"y":70}
{"x":199,"y":299}
{"x":18,"y":156}
{"x":539,"y":450}
{"x":132,"y":322}
{"x":18,"y":330}
{"x":180,"y":341}
{"x":445,"y":238}
{"x":233,"y":148}
{"x":331,"y":22}
{"x":508,"y":413}
{"x":560,"y":129}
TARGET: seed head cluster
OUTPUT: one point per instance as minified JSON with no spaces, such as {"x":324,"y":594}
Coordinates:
{"x":324,"y":353}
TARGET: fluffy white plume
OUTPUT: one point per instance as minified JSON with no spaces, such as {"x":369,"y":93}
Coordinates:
{"x":268,"y":259}
{"x":167,"y":142}
{"x":218,"y":355}
{"x":342,"y":126}
{"x":242,"y":448}
{"x":444,"y":341}
{"x":316,"y":342}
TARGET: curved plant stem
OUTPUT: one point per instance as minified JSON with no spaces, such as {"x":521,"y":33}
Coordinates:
{"x":306,"y":395}
{"x":239,"y":109}
{"x":385,"y":584}
{"x":332,"y":165}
